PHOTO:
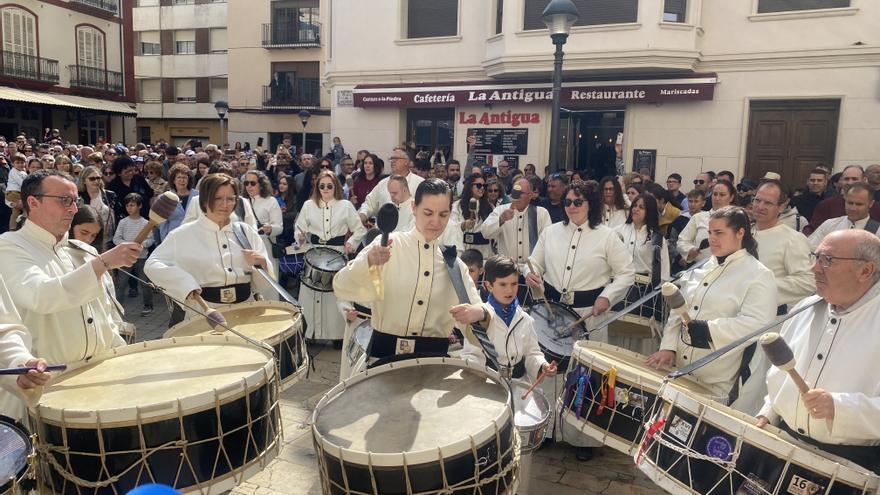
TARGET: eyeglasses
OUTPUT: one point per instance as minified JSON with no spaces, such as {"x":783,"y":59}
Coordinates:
{"x":576,"y":202}
{"x":699,"y":182}
{"x":93,"y":179}
{"x":826,"y":260}
{"x":479,"y":185}
{"x":496,"y":191}
{"x":65,"y":201}
{"x":250,"y":183}
{"x":325,"y":187}
{"x":109,"y":174}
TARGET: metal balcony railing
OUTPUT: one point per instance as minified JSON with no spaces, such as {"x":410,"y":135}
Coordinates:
{"x":305,"y":93}
{"x":291,"y":35}
{"x":84,"y":77}
{"x":111,"y":6}
{"x":29,"y":67}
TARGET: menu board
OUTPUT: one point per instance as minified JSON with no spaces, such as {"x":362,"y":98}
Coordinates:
{"x":500,"y":141}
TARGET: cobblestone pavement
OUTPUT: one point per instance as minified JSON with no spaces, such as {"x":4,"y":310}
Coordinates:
{"x":554,"y":469}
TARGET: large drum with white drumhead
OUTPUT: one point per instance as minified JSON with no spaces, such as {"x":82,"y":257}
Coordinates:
{"x":276,"y":323}
{"x":199,"y":414}
{"x":426,"y":426}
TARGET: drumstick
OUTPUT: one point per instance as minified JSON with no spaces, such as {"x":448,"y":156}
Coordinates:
{"x":675,"y":300}
{"x":214,"y":317}
{"x":25,"y":369}
{"x":540,"y":293}
{"x":537,"y":382}
{"x":159,"y":212}
{"x":781,"y":355}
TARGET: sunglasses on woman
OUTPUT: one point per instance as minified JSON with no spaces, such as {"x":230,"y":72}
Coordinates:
{"x":325,"y":187}
{"x":479,"y":185}
{"x":250,"y":183}
{"x":576,"y":202}
{"x":495,"y":191}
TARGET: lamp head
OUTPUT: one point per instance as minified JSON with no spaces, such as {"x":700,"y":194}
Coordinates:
{"x":560,"y":16}
{"x":222,"y":107}
{"x":304,"y":116}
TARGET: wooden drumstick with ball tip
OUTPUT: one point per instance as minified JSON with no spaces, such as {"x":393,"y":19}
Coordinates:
{"x":675,"y":300}
{"x":161,"y":210}
{"x":781,"y":355}
{"x":214,"y":317}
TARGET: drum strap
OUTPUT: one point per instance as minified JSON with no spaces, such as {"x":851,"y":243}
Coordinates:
{"x":238,"y":230}
{"x":532,"y":213}
{"x":519,"y":369}
{"x":872,"y":226}
{"x":657,"y":241}
{"x":475,"y":239}
{"x":362,"y":309}
{"x":383,"y":346}
{"x":744,"y":372}
{"x":335,"y":241}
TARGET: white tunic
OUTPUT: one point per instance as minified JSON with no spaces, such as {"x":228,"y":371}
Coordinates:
{"x":641,"y":249}
{"x":380,"y":195}
{"x":835,"y":350}
{"x":735,"y":298}
{"x":417,"y":289}
{"x":513,"y":343}
{"x":787,"y":254}
{"x":326,"y":221}
{"x":833,"y":224}
{"x":201,"y":254}
{"x":458,"y":218}
{"x":694,"y":233}
{"x":513,"y":236}
{"x":15,"y":350}
{"x":268,"y":212}
{"x":67,"y":309}
{"x":613,"y":217}
{"x":194,"y":212}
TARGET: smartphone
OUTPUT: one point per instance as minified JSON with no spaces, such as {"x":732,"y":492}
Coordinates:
{"x":259,"y":142}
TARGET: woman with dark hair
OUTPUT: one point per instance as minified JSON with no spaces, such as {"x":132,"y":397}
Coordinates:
{"x":180,"y":182}
{"x":468,"y":219}
{"x":258,"y":191}
{"x":581,"y":263}
{"x":632,"y":191}
{"x":128,"y":181}
{"x":103,"y":201}
{"x":613,"y":202}
{"x":693,"y":244}
{"x":88,"y":228}
{"x":326,"y":220}
{"x":369,"y":174}
{"x":730,"y":296}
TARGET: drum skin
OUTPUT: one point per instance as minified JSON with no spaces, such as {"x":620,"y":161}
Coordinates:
{"x":435,"y":414}
{"x":322,"y":264}
{"x":555,"y":348}
{"x":115,"y":421}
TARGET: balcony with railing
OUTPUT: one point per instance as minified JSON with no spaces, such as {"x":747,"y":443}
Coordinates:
{"x":109,"y":6}
{"x":304,"y":93}
{"x":96,"y":79}
{"x":291,"y":35}
{"x":29,"y":67}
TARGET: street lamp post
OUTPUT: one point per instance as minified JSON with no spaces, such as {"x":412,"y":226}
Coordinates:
{"x":559,"y":16}
{"x":304,"y":116}
{"x":222,"y":107}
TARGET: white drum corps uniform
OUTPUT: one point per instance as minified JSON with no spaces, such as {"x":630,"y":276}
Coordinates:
{"x":692,"y":236}
{"x":514,"y":238}
{"x":786,"y":253}
{"x":473,"y":237}
{"x":380,"y":195}
{"x":268,"y":212}
{"x":326,"y":225}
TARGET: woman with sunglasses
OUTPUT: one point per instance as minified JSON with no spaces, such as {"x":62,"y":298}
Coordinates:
{"x":581,"y":263}
{"x":693,"y":243}
{"x":470,"y":219}
{"x":103,"y":201}
{"x":613,"y":203}
{"x":730,"y":296}
{"x":326,"y":220}
{"x":495,"y":193}
{"x":258,"y":191}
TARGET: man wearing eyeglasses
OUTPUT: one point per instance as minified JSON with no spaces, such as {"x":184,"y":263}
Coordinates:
{"x":835,"y":348}
{"x":400,"y":165}
{"x":60,"y":287}
{"x":858,"y":203}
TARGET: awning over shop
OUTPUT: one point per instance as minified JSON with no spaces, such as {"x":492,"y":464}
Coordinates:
{"x":690,"y":87}
{"x":65,"y":101}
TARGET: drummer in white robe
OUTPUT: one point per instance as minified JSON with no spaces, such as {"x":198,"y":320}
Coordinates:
{"x":326,"y":220}
{"x":835,"y":347}
{"x":258,"y":192}
{"x":207,"y":257}
{"x":693,"y":243}
{"x":582,"y":263}
{"x":401,"y":197}
{"x":614,"y":203}
{"x":243,"y":211}
{"x":408,"y":284}
{"x":59,"y":286}
{"x":469,"y":220}
{"x":730,"y":296}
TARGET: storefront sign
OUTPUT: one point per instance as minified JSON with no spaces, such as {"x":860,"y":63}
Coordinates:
{"x":508,"y":117}
{"x":500,"y":141}
{"x":573,"y":93}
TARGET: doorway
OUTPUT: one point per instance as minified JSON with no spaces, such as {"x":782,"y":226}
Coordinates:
{"x":431,"y":129}
{"x":589,"y":137}
{"x":791,"y":137}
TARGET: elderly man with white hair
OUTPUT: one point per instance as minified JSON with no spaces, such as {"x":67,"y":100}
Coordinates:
{"x":835,"y":347}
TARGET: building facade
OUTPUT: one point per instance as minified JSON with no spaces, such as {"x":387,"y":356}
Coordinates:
{"x":686,"y":85}
{"x":181,"y":69}
{"x":66,"y":65}
{"x":276,"y":60}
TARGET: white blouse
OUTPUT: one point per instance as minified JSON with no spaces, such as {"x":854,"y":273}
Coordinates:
{"x":332,"y":219}
{"x":641,"y":247}
{"x":268,"y":212}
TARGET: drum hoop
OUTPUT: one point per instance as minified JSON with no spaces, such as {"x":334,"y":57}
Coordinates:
{"x":769,"y":438}
{"x":319,"y":249}
{"x":538,"y":393}
{"x":22,"y":432}
{"x":398,"y":459}
{"x":183,"y":406}
{"x":285,"y":334}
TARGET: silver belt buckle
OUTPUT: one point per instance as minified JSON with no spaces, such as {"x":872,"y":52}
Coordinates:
{"x":322,"y":242}
{"x":227,"y":295}
{"x":567,"y":298}
{"x":469,"y":238}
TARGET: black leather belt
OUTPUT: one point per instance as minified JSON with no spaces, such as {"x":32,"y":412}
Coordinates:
{"x":867,"y":456}
{"x":384,"y":345}
{"x":334,"y":241}
{"x":582,"y":298}
{"x":475,"y":239}
{"x":362,"y":309}
{"x":519,"y":369}
{"x":213,"y":294}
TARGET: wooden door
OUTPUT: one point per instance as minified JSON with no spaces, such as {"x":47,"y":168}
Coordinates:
{"x":790,"y":138}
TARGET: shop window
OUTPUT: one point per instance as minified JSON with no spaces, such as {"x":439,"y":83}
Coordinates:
{"x":675,"y":10}
{"x":592,"y":12}
{"x":431,"y":18}
{"x":769,"y":6}
{"x":431,"y":129}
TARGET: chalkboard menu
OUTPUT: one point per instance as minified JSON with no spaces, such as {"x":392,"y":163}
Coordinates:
{"x":644,"y":159}
{"x":499,"y":141}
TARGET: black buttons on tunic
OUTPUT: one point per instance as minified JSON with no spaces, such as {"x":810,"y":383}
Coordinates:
{"x":90,"y":320}
{"x":568,"y":268}
{"x":519,"y":229}
{"x":427,"y":273}
{"x":684,"y":357}
{"x":834,"y":321}
{"x":801,"y":431}
{"x":427,"y":246}
{"x":574,"y":247}
{"x":819,"y":356}
{"x":225,"y":246}
{"x":229,"y":269}
{"x":420,"y":302}
{"x":705,"y":284}
{"x":580,"y":229}
{"x":564,"y":290}
{"x":520,"y":242}
{"x":696,"y":308}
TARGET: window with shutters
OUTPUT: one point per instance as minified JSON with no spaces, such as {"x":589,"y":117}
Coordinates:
{"x":147,"y":3}
{"x":90,"y":47}
{"x":150,"y":90}
{"x":218,"y":40}
{"x":19,"y":31}
{"x":184,"y":42}
{"x":149,"y":43}
{"x":592,"y":12}
{"x":499,"y":16}
{"x":769,"y":6}
{"x":431,"y":18}
{"x":219,"y":89}
{"x":675,"y":10}
{"x":185,"y":90}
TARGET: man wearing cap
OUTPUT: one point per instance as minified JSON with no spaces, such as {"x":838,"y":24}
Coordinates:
{"x":859,"y":201}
